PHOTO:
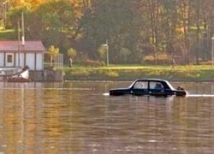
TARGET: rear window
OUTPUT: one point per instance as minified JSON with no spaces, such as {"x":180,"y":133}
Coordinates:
{"x":156,"y":85}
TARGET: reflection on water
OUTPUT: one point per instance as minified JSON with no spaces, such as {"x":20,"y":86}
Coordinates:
{"x":76,"y":118}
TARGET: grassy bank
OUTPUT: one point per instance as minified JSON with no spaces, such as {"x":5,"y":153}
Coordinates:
{"x":116,"y":72}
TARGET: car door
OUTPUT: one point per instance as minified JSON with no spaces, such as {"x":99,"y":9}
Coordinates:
{"x":156,"y":88}
{"x":140,"y":88}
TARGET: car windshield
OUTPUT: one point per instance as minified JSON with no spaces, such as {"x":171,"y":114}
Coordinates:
{"x":131,"y":85}
{"x":170,"y":86}
{"x":140,"y":85}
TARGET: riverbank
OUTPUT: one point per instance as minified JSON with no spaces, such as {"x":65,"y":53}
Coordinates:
{"x":123,"y":73}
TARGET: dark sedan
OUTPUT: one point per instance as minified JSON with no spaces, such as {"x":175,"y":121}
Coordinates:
{"x":153,"y":87}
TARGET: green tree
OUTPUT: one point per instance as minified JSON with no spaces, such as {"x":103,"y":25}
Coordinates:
{"x":102,"y":52}
{"x":53,"y":22}
{"x":125,"y":53}
{"x":53,"y":52}
{"x":72,"y":53}
{"x":115,"y":21}
{"x":144,"y":27}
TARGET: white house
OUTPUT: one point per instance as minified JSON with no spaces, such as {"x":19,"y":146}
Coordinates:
{"x":16,"y":54}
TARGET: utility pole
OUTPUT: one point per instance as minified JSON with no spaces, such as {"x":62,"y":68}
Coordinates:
{"x":18,"y":43}
{"x":107,"y":53}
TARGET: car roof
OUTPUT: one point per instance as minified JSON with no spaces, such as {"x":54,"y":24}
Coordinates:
{"x":151,"y":79}
{"x":165,"y":82}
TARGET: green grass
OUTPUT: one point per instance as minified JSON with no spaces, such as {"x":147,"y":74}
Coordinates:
{"x":194,"y":67}
{"x":130,"y":72}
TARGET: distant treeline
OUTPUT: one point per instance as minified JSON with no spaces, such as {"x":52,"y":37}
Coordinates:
{"x":133,"y":29}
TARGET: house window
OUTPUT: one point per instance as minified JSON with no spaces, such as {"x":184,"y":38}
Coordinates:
{"x":9,"y":58}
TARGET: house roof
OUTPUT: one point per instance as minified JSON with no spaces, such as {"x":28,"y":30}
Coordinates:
{"x":15,"y":46}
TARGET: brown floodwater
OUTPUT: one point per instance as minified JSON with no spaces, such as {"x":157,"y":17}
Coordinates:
{"x":80,"y":118}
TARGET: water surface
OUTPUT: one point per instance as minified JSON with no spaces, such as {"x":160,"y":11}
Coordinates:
{"x":77,"y":118}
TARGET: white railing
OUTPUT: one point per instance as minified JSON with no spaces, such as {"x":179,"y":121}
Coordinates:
{"x":55,"y":62}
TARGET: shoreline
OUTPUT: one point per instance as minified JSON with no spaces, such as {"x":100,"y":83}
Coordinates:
{"x":120,"y":80}
{"x":190,"y":73}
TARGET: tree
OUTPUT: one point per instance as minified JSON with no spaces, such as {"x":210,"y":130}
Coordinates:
{"x":53,"y":52}
{"x":177,"y":27}
{"x":102,"y":51}
{"x":53,"y":22}
{"x":72,"y":53}
{"x":115,"y":21}
{"x":125,"y":53}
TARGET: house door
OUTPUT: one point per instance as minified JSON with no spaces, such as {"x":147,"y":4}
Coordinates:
{"x":9,"y":59}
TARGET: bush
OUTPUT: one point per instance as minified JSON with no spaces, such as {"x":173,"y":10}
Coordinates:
{"x":112,"y":74}
{"x":149,"y":59}
{"x":93,"y":63}
{"x":80,"y":72}
{"x":161,"y":58}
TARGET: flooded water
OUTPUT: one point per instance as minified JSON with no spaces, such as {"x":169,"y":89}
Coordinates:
{"x":80,"y":118}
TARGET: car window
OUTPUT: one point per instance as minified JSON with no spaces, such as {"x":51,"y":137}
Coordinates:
{"x":156,"y":85}
{"x":141,"y":85}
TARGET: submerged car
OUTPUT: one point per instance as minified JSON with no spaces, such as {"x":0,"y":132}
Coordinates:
{"x":153,"y":87}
